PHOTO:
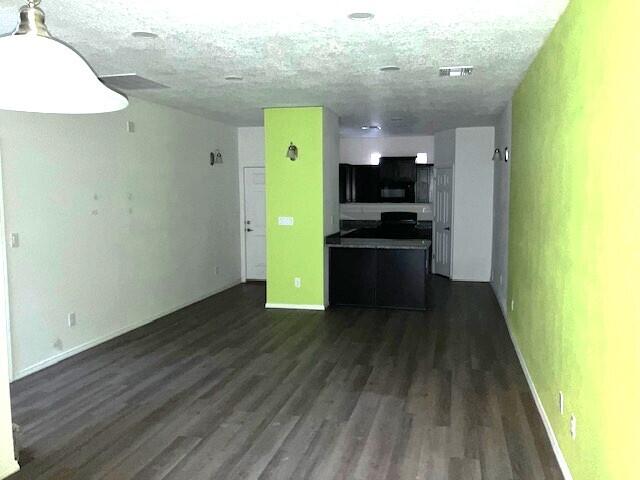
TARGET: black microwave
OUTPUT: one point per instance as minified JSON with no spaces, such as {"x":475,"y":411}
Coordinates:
{"x":397,"y":192}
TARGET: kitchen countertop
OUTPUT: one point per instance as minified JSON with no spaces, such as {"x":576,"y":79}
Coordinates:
{"x":337,"y":240}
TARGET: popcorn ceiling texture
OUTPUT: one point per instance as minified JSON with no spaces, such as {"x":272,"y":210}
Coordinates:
{"x":294,"y":53}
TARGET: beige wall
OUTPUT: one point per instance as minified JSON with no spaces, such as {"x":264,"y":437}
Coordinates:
{"x":118,"y":227}
{"x":7,"y":463}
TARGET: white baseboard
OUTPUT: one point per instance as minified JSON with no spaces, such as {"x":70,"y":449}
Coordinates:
{"x":471,"y":279}
{"x":500,"y":304}
{"x":290,"y":306}
{"x":564,"y":466}
{"x":9,"y":469}
{"x":97,"y":341}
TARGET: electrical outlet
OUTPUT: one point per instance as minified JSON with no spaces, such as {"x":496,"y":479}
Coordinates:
{"x":572,"y":426}
{"x":513,"y":304}
{"x":71,"y":319}
{"x":561,"y":402}
{"x":297,"y":282}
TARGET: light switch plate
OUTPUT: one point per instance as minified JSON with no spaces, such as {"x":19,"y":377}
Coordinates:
{"x":285,"y":221}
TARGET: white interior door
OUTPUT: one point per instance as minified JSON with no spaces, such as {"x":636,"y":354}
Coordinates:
{"x":254,"y":219}
{"x":442,"y":221}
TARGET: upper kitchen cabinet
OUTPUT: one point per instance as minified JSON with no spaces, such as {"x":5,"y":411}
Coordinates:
{"x":398,"y":169}
{"x":424,"y":184}
{"x":359,"y":183}
{"x":395,"y":180}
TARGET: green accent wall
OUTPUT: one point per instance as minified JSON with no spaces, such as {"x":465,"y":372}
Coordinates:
{"x":295,"y":189}
{"x":574,"y":252}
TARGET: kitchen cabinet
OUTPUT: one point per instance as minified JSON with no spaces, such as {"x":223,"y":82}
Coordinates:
{"x":424,"y":184}
{"x":345,"y":183}
{"x":378,"y":277}
{"x":359,"y":183}
{"x":398,"y":169}
{"x":353,"y":276}
{"x":401,"y":278}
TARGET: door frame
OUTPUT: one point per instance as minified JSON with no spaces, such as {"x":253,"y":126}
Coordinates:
{"x":243,"y":218}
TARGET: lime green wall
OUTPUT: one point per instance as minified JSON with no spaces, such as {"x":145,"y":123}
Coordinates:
{"x":294,"y":189}
{"x":574,"y":260}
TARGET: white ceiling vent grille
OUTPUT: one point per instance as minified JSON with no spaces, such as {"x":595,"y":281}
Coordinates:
{"x":456,"y":71}
{"x":131,"y":81}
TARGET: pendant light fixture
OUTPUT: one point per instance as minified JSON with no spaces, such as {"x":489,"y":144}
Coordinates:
{"x":43,"y":75}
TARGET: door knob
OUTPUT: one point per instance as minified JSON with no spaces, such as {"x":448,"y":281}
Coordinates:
{"x":447,"y":228}
{"x":249,"y":230}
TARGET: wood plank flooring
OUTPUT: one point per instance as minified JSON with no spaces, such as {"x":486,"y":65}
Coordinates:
{"x":225,"y":389}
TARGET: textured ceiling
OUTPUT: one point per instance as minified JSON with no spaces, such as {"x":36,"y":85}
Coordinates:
{"x":309,"y":53}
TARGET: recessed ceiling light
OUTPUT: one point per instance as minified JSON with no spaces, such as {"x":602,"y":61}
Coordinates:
{"x":456,"y":71}
{"x":364,"y":127}
{"x":144,"y":35}
{"x":361,"y":16}
{"x":233,"y":78}
{"x":389,"y":68}
{"x":370,"y":127}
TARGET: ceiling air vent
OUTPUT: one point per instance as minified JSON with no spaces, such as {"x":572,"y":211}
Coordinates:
{"x":456,"y":71}
{"x":131,"y":81}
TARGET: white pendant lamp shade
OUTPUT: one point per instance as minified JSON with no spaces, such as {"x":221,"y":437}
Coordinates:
{"x":40,"y":74}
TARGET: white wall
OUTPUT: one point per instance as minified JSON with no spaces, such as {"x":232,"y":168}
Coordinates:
{"x":118,"y":227}
{"x":8,"y":465}
{"x":330,"y":184}
{"x":501,"y":176}
{"x":473,"y":204}
{"x":372,"y":211}
{"x":250,"y":154}
{"x":331,"y":171}
{"x":357,"y":151}
{"x":445,"y":148}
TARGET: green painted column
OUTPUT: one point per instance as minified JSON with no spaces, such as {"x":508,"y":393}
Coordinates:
{"x":294,"y":191}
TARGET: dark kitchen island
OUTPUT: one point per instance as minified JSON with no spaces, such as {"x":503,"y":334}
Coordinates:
{"x":378,"y":272}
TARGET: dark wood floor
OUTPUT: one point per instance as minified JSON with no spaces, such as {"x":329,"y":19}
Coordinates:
{"x":224,"y":390}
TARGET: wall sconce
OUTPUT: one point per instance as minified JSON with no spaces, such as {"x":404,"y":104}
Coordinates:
{"x":497,"y":154}
{"x":215,"y":157}
{"x":292,"y":152}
